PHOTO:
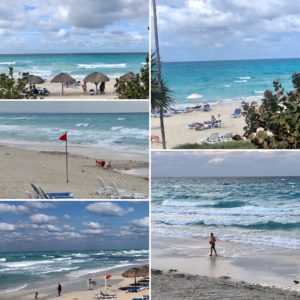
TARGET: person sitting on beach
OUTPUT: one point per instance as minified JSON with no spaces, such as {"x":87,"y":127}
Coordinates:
{"x":102,"y":87}
{"x":212,"y":242}
{"x":108,"y":166}
{"x":213,"y":119}
{"x":100,"y":163}
{"x":59,"y":289}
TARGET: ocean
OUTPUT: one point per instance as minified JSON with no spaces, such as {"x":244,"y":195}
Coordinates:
{"x":77,"y":65}
{"x":119,"y":131}
{"x":19,"y":270}
{"x":227,"y":80}
{"x":261,"y":211}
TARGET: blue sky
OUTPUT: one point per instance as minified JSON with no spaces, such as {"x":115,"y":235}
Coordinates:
{"x":54,"y":26}
{"x":34,"y":226}
{"x":225,"y":163}
{"x":196,"y":30}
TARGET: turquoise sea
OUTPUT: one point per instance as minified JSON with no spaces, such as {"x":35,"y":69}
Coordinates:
{"x":227,"y":80}
{"x":77,"y":65}
{"x":19,"y":270}
{"x":120,"y":131}
{"x":261,"y":211}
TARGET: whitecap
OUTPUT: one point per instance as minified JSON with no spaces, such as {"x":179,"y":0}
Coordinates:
{"x":83,"y":125}
{"x":116,"y":128}
{"x":15,"y":289}
{"x":194,"y":96}
{"x":227,"y":85}
{"x":121,"y":119}
{"x":8,"y":63}
{"x":241,"y":81}
{"x":95,"y":66}
{"x":258,"y":92}
{"x":245,"y":77}
{"x":2,"y":259}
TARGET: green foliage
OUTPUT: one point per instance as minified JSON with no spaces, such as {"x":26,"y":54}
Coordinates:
{"x":136,"y":88}
{"x":275,"y":124}
{"x":225,"y":145}
{"x":11,"y":88}
{"x":161,"y":99}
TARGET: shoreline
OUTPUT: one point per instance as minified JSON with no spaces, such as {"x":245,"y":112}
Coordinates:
{"x":77,"y":288}
{"x":47,"y":169}
{"x":254,"y":264}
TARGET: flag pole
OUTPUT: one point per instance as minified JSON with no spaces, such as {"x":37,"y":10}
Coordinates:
{"x":67,"y":169}
{"x":105,"y":282}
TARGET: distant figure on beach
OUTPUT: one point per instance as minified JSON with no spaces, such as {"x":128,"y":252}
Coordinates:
{"x":100,"y":163}
{"x":108,"y":166}
{"x":59,"y":288}
{"x":212,"y":242}
{"x":84,"y":87}
{"x":102,"y":87}
{"x":36,"y":295}
{"x":213,"y":119}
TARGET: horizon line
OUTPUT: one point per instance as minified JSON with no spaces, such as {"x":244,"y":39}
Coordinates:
{"x":70,"y":53}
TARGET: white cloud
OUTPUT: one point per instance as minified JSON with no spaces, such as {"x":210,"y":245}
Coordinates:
{"x":42,"y":218}
{"x":39,"y":205}
{"x":7,"y":227}
{"x":92,"y":225}
{"x":67,"y":217}
{"x":91,"y":231}
{"x":108,"y":209}
{"x":141,"y":222}
{"x":15,"y":209}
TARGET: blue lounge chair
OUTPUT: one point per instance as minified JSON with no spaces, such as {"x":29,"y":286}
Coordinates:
{"x":237,"y":113}
{"x":39,"y":193}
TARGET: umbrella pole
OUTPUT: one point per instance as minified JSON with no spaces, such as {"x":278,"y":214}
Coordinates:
{"x":62,"y":88}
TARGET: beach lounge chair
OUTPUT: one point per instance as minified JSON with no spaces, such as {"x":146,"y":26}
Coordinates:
{"x":212,"y":139}
{"x":217,"y":124}
{"x":102,"y":295}
{"x":206,"y":107}
{"x":133,"y":289}
{"x":144,"y":297}
{"x":226,"y":137}
{"x":92,"y":92}
{"x":104,"y":189}
{"x":124,"y":194}
{"x":237,"y":113}
{"x":39,"y":193}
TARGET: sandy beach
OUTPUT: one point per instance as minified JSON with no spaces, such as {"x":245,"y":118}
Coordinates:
{"x":261,"y":273}
{"x":22,"y":165}
{"x":76,"y":92}
{"x":176,"y":125}
{"x":77,"y":289}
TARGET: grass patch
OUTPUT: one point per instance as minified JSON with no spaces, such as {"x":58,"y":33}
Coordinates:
{"x":221,"y":145}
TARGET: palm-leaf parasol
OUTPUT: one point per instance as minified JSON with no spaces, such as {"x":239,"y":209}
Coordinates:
{"x":63,"y":78}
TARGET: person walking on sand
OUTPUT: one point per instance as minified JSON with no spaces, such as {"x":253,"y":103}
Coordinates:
{"x":59,"y":288}
{"x":36,"y":295}
{"x":84,"y":87}
{"x":212,"y":242}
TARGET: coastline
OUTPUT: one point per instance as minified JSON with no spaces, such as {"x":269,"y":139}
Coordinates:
{"x":77,"y":289}
{"x":176,"y":126}
{"x":47,"y":169}
{"x":268,"y":267}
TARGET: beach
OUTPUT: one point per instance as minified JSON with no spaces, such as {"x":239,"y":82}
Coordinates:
{"x":188,"y":271}
{"x":77,"y":289}
{"x":177,"y":132}
{"x":76,"y":92}
{"x":47,"y":169}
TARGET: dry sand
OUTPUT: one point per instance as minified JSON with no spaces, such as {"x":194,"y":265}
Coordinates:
{"x":241,"y":271}
{"x":77,"y":92}
{"x":176,"y":125}
{"x":20,"y":167}
{"x":77,"y":290}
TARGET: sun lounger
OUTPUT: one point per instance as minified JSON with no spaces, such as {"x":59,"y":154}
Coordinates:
{"x":124,"y":194}
{"x":226,"y":137}
{"x":102,"y":295}
{"x":212,"y":139}
{"x":206,"y":107}
{"x":134,"y":289}
{"x":104,"y":189}
{"x":92,"y":92}
{"x":237,"y":113}
{"x":39,"y":193}
{"x":144,"y":297}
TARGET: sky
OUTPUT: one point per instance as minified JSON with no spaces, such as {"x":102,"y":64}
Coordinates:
{"x":225,"y":163}
{"x":73,"y":26}
{"x":74,"y":106}
{"x":46,"y":226}
{"x":200,"y":30}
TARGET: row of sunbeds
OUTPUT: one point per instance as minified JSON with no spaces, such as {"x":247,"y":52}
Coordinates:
{"x":216,"y":138}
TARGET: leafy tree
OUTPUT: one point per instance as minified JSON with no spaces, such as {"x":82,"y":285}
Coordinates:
{"x":137,"y":87}
{"x":14,"y":89}
{"x":275,"y":124}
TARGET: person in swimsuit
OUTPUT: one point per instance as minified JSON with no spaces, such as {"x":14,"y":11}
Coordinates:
{"x":212,"y":242}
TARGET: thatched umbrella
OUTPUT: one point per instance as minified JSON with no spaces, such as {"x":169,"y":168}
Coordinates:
{"x":128,"y":76}
{"x":32,"y":79}
{"x":96,"y":78}
{"x":63,"y":78}
{"x":136,"y":272}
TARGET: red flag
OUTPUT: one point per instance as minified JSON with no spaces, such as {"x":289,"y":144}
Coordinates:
{"x":63,"y":137}
{"x":108,"y":276}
